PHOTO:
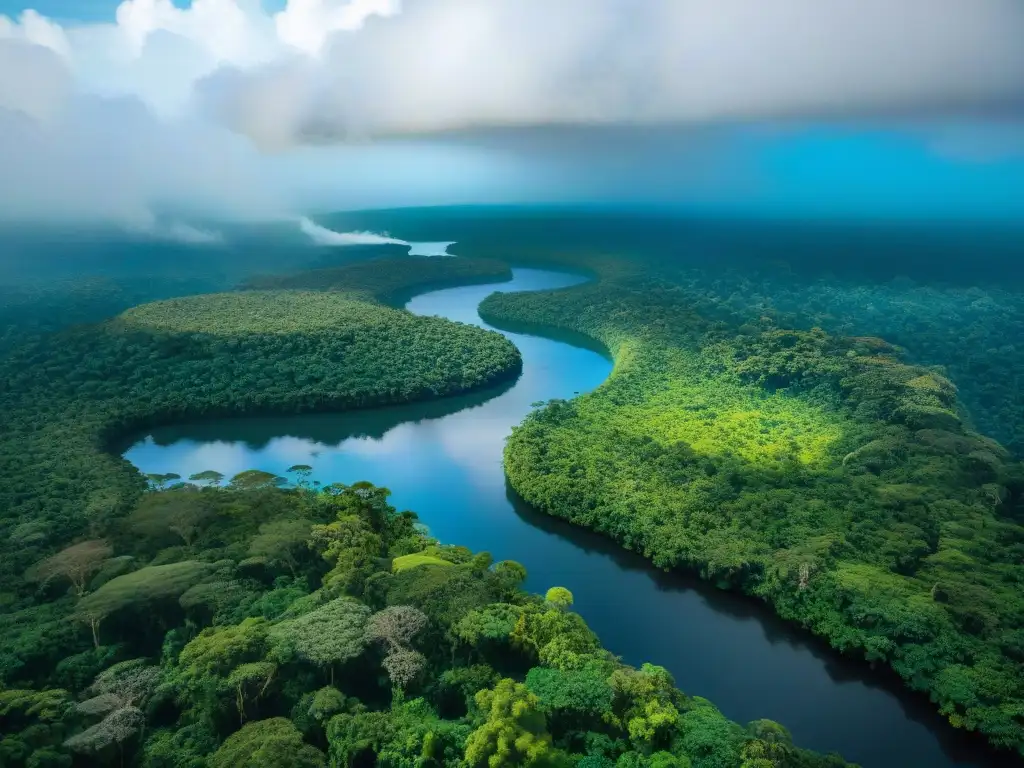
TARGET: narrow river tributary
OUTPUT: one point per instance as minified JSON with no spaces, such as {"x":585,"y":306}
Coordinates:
{"x":443,"y":460}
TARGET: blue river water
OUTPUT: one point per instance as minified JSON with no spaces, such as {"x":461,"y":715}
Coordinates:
{"x":443,"y":460}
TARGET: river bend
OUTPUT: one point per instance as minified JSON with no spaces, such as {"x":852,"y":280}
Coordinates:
{"x":443,"y":459}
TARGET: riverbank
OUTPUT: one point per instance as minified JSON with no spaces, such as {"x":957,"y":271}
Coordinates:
{"x":824,"y":475}
{"x":446,"y":464}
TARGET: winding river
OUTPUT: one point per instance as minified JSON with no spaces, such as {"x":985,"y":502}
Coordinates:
{"x":443,"y":459}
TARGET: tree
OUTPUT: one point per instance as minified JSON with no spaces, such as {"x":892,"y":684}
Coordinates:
{"x":402,"y":666}
{"x":251,"y":681}
{"x":77,"y":564}
{"x":560,"y":597}
{"x":510,"y":575}
{"x":363,"y":499}
{"x":771,"y":745}
{"x":255,"y":479}
{"x":326,"y":702}
{"x":142,"y":586}
{"x":217,"y":650}
{"x":495,"y":622}
{"x":353,"y":548}
{"x":182,"y":513}
{"x":119,"y":695}
{"x":116,"y":728}
{"x":281,"y":541}
{"x":333,"y":633}
{"x":558,"y":638}
{"x":158,"y":481}
{"x":273,"y":743}
{"x":207,"y":477}
{"x":302,"y":472}
{"x":644,"y":704}
{"x":513,"y":732}
{"x":579,"y":698}
{"x":396,"y":626}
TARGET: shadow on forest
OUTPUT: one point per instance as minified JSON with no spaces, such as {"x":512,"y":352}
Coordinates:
{"x":327,"y":428}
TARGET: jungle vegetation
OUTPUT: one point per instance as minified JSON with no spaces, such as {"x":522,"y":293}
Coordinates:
{"x":824,"y":474}
{"x":240,"y":623}
{"x":951,"y":295}
{"x":65,"y":398}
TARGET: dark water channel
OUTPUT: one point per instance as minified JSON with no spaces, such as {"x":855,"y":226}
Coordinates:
{"x":443,"y":459}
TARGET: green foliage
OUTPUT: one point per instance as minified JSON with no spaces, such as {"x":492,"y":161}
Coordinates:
{"x":412,"y":561}
{"x":513,"y":731}
{"x":412,"y":684}
{"x":328,"y":701}
{"x":142,"y":587}
{"x":76,"y":563}
{"x":581,"y":697}
{"x":560,"y":597}
{"x":388,"y":281}
{"x":282,"y":541}
{"x":67,"y":397}
{"x":237,"y":601}
{"x":255,"y":479}
{"x":825,"y":474}
{"x":332,"y":634}
{"x":494,"y":623}
{"x":217,"y":650}
{"x":273,"y":743}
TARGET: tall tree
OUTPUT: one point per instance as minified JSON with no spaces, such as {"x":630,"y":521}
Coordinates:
{"x":77,"y":564}
{"x":513,"y":733}
{"x":145,"y":585}
{"x":255,"y":479}
{"x":282,"y":541}
{"x":333,"y":633}
{"x":119,"y":696}
{"x":207,"y":477}
{"x":183,"y":513}
{"x":396,"y":626}
{"x":273,"y":743}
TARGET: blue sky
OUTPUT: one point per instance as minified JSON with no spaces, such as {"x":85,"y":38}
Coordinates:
{"x":90,"y":10}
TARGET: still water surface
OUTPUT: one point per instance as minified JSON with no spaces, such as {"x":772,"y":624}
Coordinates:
{"x":443,"y":460}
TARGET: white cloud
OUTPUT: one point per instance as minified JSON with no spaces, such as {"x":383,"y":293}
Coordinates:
{"x":71,"y":156}
{"x":307,"y":24}
{"x":174,"y":231}
{"x":34,"y":84}
{"x":323,"y":236}
{"x":34,"y":28}
{"x":229,"y":30}
{"x":454,"y":64}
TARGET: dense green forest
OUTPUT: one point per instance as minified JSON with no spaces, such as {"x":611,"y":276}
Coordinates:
{"x":66,"y":397}
{"x":391,"y":281}
{"x":254,"y":625}
{"x":824,"y":474}
{"x":32,"y":310}
{"x":951,"y":295}
{"x":259,"y":625}
{"x":971,"y":332}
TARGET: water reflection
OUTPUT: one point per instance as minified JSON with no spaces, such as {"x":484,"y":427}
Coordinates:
{"x":443,"y":459}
